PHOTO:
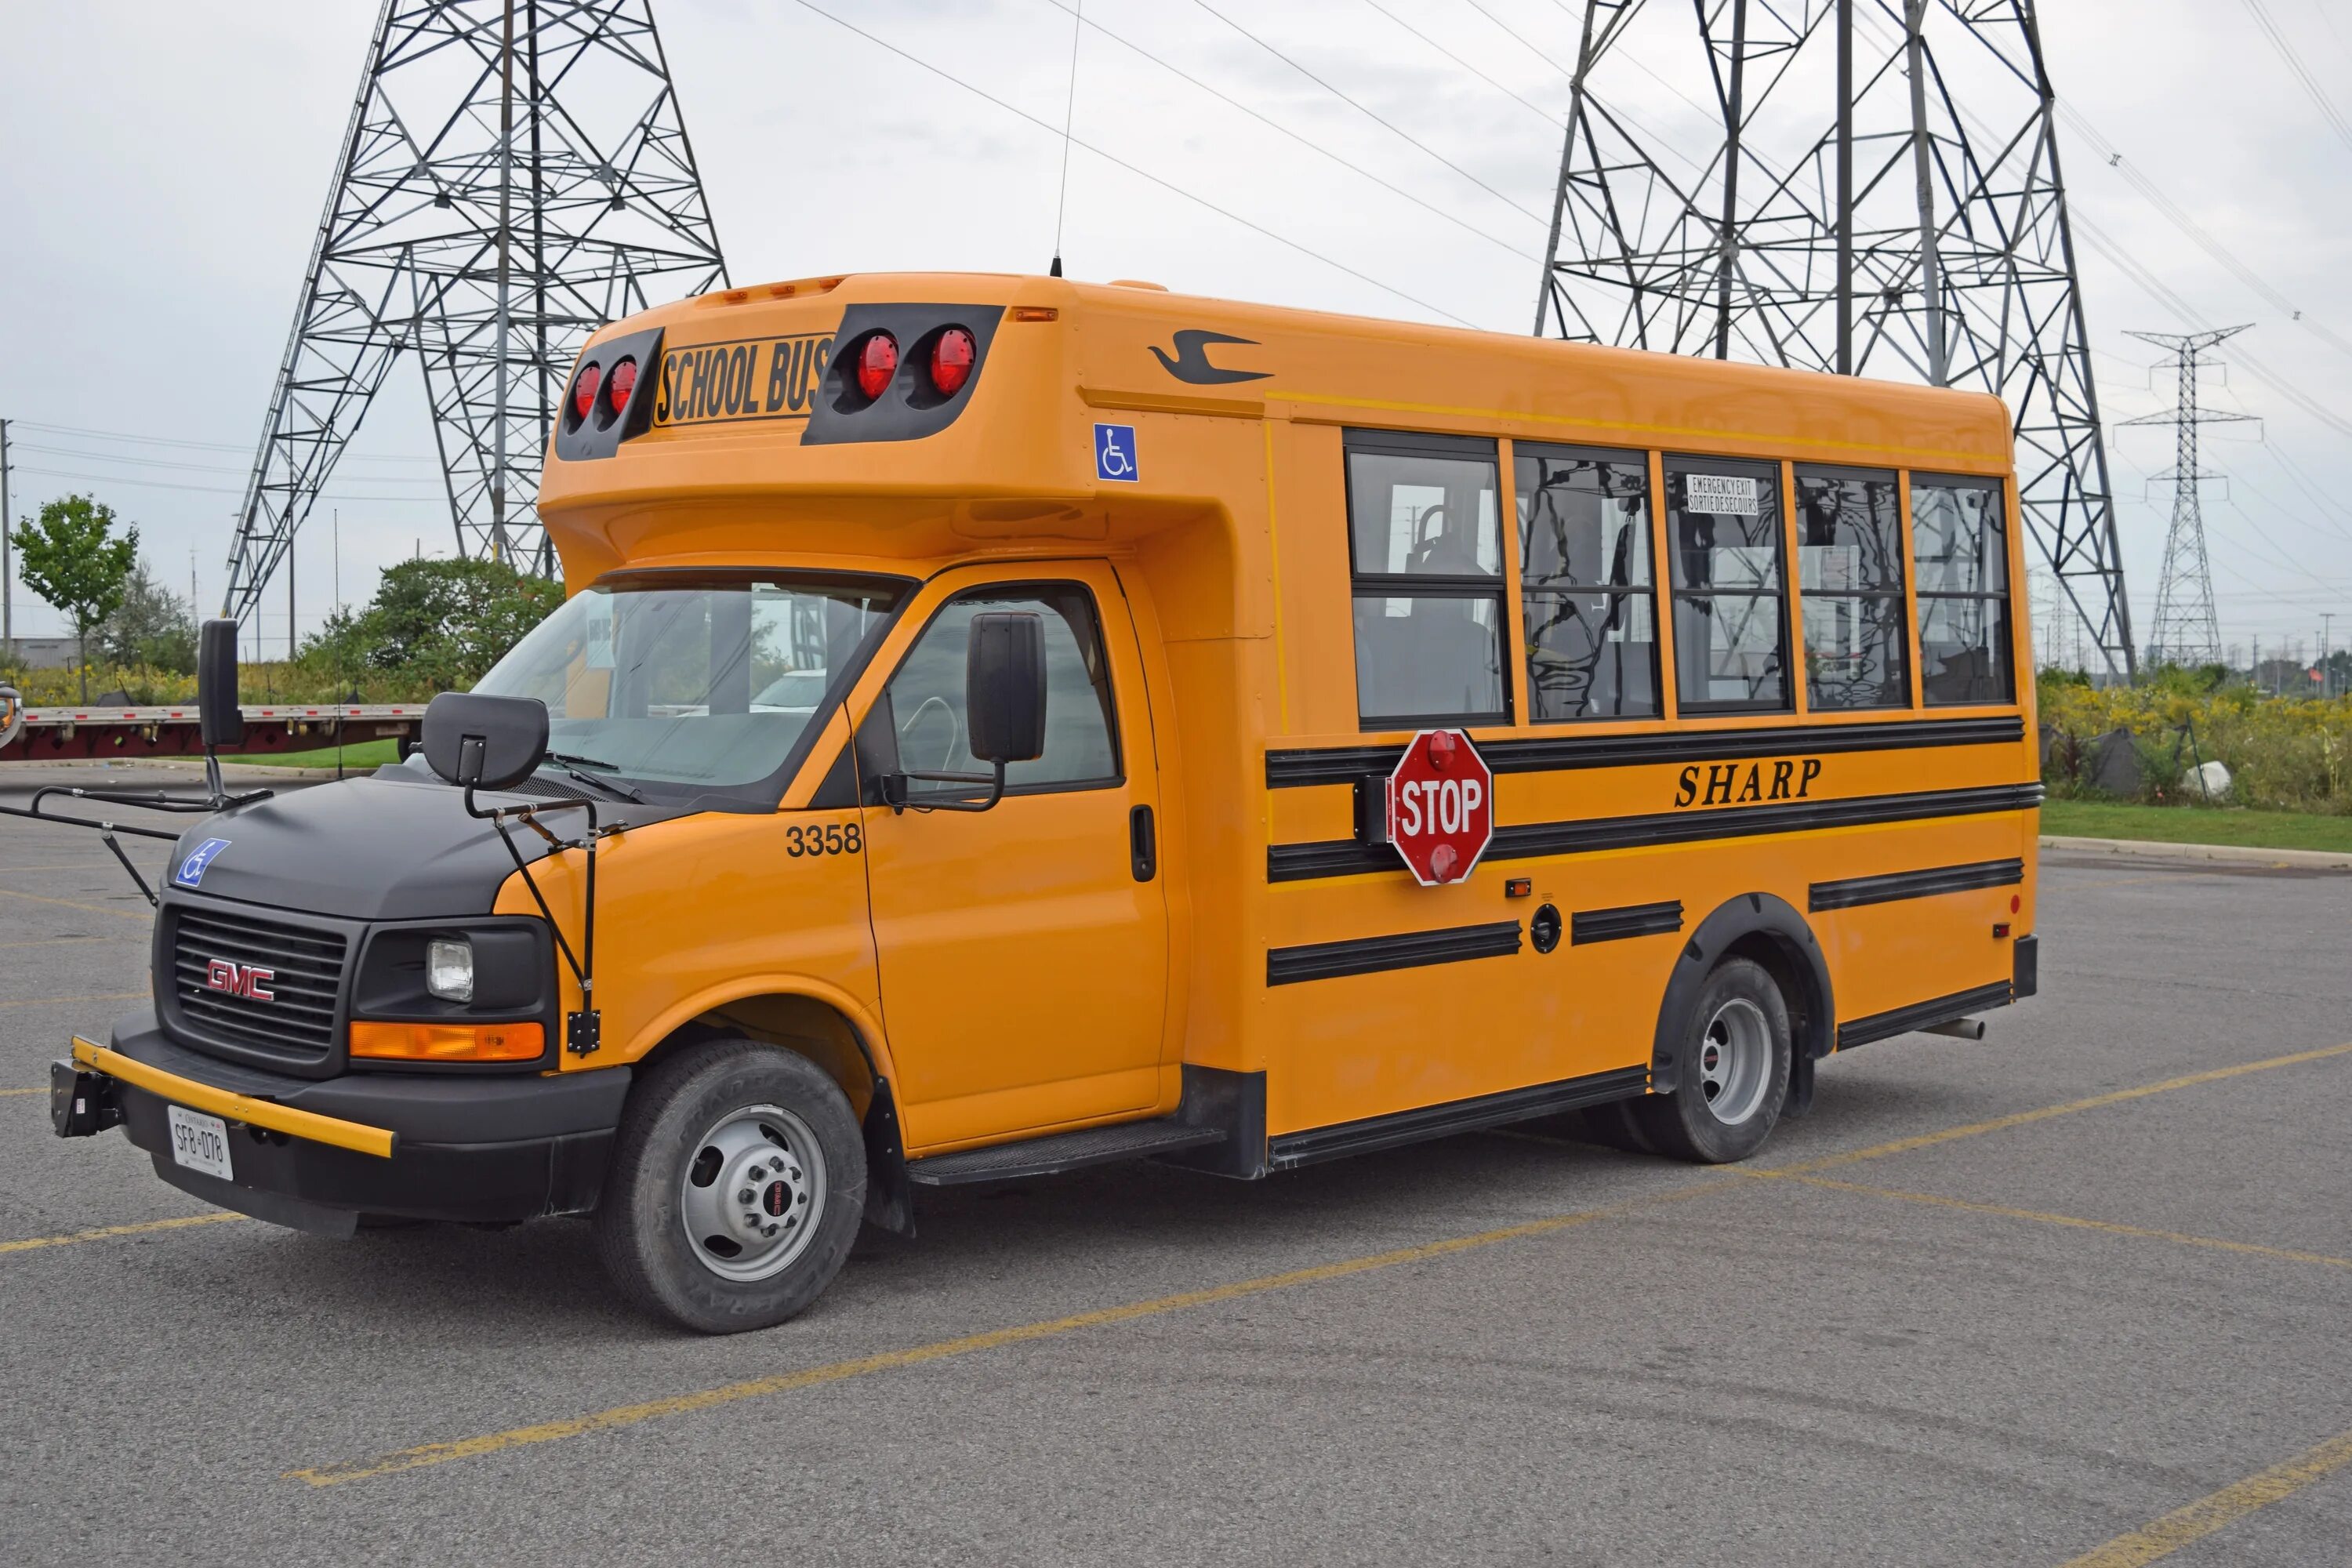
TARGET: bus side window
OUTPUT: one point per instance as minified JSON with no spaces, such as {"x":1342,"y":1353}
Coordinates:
{"x":927,"y":696}
{"x":1587,"y":591}
{"x":1850,"y":572}
{"x":1960,"y":548}
{"x":1425,"y":537}
{"x":1731,"y":628}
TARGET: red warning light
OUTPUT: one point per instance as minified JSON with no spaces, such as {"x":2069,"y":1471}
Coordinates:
{"x":584,"y":389}
{"x":877,"y":362}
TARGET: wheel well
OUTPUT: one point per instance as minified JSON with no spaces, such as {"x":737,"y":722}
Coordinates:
{"x":800,"y":1024}
{"x":1769,"y":952}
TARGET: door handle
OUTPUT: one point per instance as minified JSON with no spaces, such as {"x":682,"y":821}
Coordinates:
{"x":1142,"y":844}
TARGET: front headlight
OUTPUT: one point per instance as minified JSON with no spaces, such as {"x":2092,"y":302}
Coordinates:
{"x":449,"y":969}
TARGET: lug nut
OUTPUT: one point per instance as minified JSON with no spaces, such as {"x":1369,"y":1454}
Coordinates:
{"x":744,"y":1196}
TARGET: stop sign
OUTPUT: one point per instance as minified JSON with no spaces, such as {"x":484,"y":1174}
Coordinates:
{"x":1441,"y":806}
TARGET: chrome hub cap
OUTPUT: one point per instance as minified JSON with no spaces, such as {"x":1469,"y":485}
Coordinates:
{"x":1734,"y":1061}
{"x":754,"y":1193}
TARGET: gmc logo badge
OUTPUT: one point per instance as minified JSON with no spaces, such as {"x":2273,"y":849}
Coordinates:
{"x":247,"y":980}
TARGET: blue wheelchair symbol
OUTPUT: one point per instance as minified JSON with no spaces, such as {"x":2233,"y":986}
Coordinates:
{"x":192,"y":869}
{"x":1115,"y":453}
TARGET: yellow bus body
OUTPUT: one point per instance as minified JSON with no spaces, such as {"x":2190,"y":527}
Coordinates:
{"x":1005,"y":973}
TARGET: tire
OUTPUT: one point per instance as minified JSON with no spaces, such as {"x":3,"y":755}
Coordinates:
{"x":718,"y":1120}
{"x":1734,"y":1059}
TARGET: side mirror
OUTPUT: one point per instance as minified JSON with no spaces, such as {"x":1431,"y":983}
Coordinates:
{"x":219,"y":718}
{"x":1004,"y":686}
{"x":485,"y":742}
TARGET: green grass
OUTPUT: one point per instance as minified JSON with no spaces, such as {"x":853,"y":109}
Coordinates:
{"x":2196,"y":825}
{"x":360,"y":756}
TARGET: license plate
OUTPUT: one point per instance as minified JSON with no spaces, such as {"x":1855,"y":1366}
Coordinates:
{"x":199,"y":1142}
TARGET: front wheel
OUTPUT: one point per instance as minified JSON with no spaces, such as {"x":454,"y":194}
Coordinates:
{"x":1733,"y":1071}
{"x":737,"y":1184}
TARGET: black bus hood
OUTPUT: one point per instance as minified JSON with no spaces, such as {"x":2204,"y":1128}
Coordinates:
{"x":397,"y":845}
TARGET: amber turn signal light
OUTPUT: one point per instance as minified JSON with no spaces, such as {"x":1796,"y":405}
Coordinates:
{"x":449,"y":1042}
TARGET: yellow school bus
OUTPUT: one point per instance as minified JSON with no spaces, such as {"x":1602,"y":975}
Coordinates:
{"x":985,"y":691}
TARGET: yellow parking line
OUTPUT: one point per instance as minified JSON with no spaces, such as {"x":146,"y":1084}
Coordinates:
{"x":107,"y":1233}
{"x":10,"y":1093}
{"x":67,"y":903}
{"x":837,"y":1372}
{"x":2211,"y":1512}
{"x":2024,"y":1118}
{"x":431,"y":1454}
{"x":2073,"y":1222}
{"x":64,"y":941}
{"x":63,"y":1001}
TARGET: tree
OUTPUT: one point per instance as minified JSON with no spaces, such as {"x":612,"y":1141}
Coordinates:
{"x":442,"y":621}
{"x":152,"y":626}
{"x":71,"y":559}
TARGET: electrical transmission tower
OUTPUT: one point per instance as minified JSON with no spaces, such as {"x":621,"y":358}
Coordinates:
{"x":515,"y":173}
{"x":2186,"y":630}
{"x":1878,"y":193}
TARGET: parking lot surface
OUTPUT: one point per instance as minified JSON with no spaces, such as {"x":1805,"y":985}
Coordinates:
{"x":2077,"y":1292}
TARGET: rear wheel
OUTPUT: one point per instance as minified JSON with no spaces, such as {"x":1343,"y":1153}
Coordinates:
{"x":738,"y":1184}
{"x":1732,"y":1070}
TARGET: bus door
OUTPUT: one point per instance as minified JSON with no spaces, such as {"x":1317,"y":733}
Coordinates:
{"x":1024,"y":950}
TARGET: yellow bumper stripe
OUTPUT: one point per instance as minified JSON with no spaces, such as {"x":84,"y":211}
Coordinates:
{"x":376,"y":1140}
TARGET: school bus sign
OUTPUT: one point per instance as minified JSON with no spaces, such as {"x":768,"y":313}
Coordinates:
{"x":1441,"y":806}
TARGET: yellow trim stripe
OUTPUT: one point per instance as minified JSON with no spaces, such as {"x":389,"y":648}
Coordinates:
{"x":242,"y":1108}
{"x":107,"y":1232}
{"x":1510,"y":416}
{"x":431,"y":1454}
{"x":2208,"y":1514}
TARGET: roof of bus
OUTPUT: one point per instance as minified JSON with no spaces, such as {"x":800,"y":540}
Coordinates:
{"x":1058,"y":353}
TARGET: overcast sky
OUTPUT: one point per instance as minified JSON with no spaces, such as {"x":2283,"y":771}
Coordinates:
{"x":162,"y":166}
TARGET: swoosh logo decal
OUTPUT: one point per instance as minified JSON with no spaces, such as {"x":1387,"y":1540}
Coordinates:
{"x":1190,"y":362}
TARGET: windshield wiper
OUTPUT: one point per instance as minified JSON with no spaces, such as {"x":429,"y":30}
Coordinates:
{"x":564,"y":761}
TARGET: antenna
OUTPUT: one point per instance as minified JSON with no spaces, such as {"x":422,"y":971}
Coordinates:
{"x":1069,"y":108}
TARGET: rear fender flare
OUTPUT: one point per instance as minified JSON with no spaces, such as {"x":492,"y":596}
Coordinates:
{"x":1769,"y":929}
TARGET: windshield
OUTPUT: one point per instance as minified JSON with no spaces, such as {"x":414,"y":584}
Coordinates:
{"x":689,"y":685}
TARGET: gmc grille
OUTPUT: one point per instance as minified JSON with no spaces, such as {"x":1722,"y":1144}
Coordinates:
{"x":306,"y":979}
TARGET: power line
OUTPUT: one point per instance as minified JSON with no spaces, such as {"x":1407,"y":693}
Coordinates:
{"x":204,"y":489}
{"x":1307,"y":142}
{"x":1170,"y":185}
{"x":2197,"y":232}
{"x":1541,"y":113}
{"x":1529,"y":213}
{"x":193,"y":467}
{"x":2302,"y":74}
{"x":168,"y":441}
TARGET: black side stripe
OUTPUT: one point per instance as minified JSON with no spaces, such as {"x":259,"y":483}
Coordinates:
{"x":1920,"y":1015}
{"x":1547,"y":753}
{"x":1348,"y":858}
{"x":1631,"y":920}
{"x":1406,"y":950}
{"x":1294,"y":1149}
{"x":1887,"y":889}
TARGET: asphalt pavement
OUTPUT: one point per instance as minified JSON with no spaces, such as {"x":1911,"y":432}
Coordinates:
{"x":2079,"y":1291}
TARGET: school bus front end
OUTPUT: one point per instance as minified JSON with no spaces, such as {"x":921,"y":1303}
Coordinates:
{"x":966,"y":748}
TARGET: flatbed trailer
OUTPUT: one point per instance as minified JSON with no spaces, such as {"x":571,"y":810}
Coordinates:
{"x":86,"y":731}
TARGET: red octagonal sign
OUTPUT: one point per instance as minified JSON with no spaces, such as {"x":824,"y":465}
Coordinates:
{"x":1441,"y":806}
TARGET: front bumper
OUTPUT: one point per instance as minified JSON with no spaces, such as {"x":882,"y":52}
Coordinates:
{"x":318,"y":1153}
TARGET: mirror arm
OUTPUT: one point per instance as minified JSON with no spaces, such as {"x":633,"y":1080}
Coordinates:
{"x":893,"y":790}
{"x":583,"y":1030}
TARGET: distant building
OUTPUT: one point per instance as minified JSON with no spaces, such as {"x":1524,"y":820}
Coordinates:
{"x":39,"y":653}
